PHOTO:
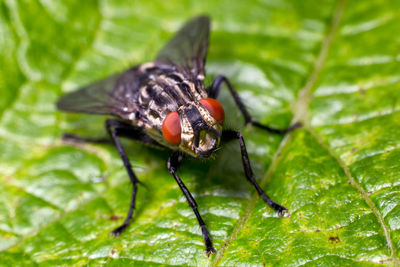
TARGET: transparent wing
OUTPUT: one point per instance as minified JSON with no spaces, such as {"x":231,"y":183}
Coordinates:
{"x":188,"y":49}
{"x":113,"y":95}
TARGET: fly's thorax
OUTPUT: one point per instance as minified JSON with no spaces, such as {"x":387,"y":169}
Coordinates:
{"x":174,"y":111}
{"x":200,"y":132}
{"x":165,"y":90}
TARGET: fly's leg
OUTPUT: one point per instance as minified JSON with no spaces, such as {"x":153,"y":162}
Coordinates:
{"x":112,"y":127}
{"x":79,"y":139}
{"x":173,"y":163}
{"x":214,"y":91}
{"x":117,"y":129}
{"x":230,"y":135}
{"x":124,"y":130}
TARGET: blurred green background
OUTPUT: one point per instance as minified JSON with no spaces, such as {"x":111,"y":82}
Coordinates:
{"x":331,"y":64}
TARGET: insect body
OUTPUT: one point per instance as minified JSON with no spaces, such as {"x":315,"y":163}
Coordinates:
{"x":165,"y":104}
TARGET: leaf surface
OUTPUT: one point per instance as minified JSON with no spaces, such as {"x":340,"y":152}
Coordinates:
{"x":333,"y":65}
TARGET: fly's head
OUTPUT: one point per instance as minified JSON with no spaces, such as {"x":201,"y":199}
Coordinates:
{"x":195,"y":128}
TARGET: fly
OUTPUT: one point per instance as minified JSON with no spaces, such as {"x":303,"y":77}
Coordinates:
{"x":165,"y":104}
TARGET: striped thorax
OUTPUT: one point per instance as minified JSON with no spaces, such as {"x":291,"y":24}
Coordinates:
{"x":166,"y":90}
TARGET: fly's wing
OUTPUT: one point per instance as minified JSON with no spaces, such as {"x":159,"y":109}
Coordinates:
{"x":113,"y":95}
{"x":188,"y":49}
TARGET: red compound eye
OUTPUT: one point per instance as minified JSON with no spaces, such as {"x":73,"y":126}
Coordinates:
{"x":215,"y":108}
{"x":171,"y":128}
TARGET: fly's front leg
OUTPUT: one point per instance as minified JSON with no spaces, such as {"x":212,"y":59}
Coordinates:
{"x":214,"y":91}
{"x":230,"y":135}
{"x":173,"y":163}
{"x":112,"y":127}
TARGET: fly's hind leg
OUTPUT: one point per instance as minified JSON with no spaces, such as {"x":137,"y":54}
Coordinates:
{"x":124,"y":130}
{"x":214,"y":91}
{"x":69,"y":137}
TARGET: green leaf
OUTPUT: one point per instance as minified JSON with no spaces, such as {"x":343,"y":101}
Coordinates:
{"x":333,"y":65}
